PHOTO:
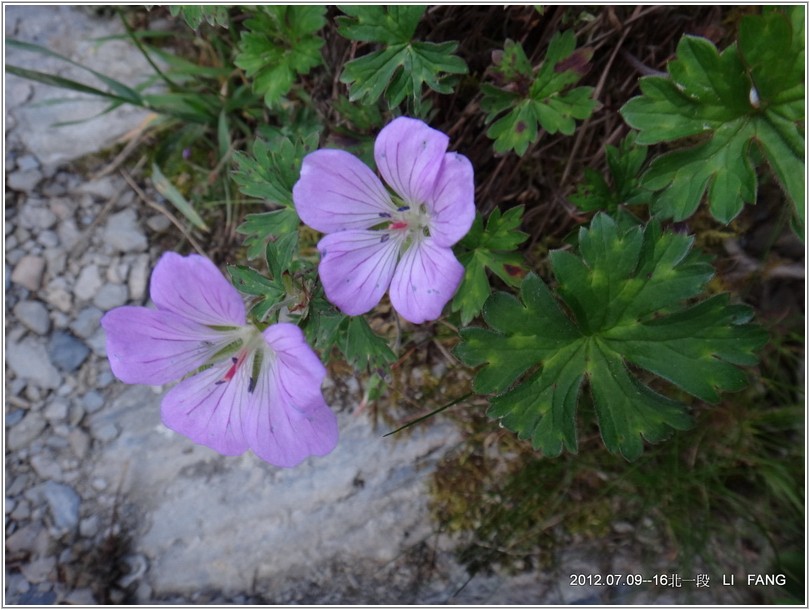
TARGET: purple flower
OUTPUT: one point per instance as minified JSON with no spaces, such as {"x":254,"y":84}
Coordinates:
{"x":377,"y":240}
{"x":241,"y":387}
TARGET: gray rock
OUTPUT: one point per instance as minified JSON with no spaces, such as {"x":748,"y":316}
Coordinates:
{"x":79,"y":442}
{"x":64,"y":504}
{"x":29,"y":539}
{"x":35,"y":215}
{"x":158,"y":223}
{"x":92,"y":401}
{"x":33,"y":315}
{"x":29,"y":428}
{"x":58,"y":297}
{"x":104,"y":431}
{"x":117,"y":272}
{"x":63,"y":207}
{"x":88,"y":283}
{"x":43,"y":595}
{"x":82,"y":597}
{"x":56,"y":261}
{"x":46,"y":466}
{"x":68,"y":31}
{"x":111,"y":296}
{"x":87,"y":322}
{"x":28,"y":272}
{"x":48,"y":239}
{"x":24,"y":180}
{"x":98,"y":343}
{"x":123,"y":233}
{"x":22,"y":511}
{"x":67,"y":352}
{"x":104,"y":188}
{"x":57,"y":409}
{"x":139,"y":277}
{"x":29,"y":360}
{"x":27,"y":162}
{"x":14,"y":417}
{"x":89,"y":527}
{"x":68,"y":233}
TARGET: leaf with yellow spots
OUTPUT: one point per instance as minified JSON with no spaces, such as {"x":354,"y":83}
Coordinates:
{"x":621,"y":304}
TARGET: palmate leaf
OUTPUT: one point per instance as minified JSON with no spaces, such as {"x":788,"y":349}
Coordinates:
{"x":327,"y":328}
{"x":621,"y":302}
{"x":494,"y":249}
{"x":533,"y":99}
{"x":195,"y":14}
{"x":400,"y":68}
{"x":272,"y":168}
{"x":750,"y":94}
{"x":280,"y":43}
{"x":624,"y":164}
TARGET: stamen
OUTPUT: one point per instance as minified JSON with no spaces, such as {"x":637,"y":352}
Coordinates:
{"x":385,"y":215}
{"x":234,"y":367}
{"x":403,"y":208}
{"x":256,"y":369}
{"x":385,"y":238}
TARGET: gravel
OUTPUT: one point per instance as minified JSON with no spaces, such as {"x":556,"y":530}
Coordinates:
{"x":34,"y":316}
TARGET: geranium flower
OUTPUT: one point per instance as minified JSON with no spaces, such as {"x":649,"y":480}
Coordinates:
{"x":377,"y":240}
{"x":247,"y":388}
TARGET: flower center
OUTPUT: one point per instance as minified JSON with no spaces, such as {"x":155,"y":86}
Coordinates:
{"x":409,"y":222}
{"x":250,"y":345}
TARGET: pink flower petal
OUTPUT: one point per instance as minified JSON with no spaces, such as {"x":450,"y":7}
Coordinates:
{"x":192,"y":287}
{"x":452,"y":202}
{"x":155,"y":347}
{"x":356,"y":268}
{"x":337,"y":191}
{"x":210,"y":413}
{"x":288,"y":419}
{"x":424,"y":281}
{"x":409,"y":154}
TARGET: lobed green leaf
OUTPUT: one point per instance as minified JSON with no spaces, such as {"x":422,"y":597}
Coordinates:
{"x":621,"y":303}
{"x":531,"y":101}
{"x":752,"y":92}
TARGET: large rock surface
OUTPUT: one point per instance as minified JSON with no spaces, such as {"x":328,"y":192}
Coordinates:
{"x":69,"y":31}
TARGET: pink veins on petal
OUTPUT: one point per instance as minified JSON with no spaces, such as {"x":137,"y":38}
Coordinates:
{"x":431,"y":209}
{"x":240,"y":387}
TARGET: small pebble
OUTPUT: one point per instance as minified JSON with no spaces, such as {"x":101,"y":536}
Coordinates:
{"x":28,"y":272}
{"x":111,"y":296}
{"x":33,"y":315}
{"x":64,"y":504}
{"x":92,"y":401}
{"x":87,"y":322}
{"x":66,"y":351}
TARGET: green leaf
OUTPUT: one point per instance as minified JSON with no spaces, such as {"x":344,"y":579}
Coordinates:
{"x":271,"y":171}
{"x":195,"y":14}
{"x":621,"y":317}
{"x":252,"y":283}
{"x":168,"y":190}
{"x":750,"y":94}
{"x":360,"y":346}
{"x":267,"y":227}
{"x":363,"y":348}
{"x":494,"y":249}
{"x":279,"y":44}
{"x":403,"y":66}
{"x":118,"y":90}
{"x":520,"y":100}
{"x":624,"y":164}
